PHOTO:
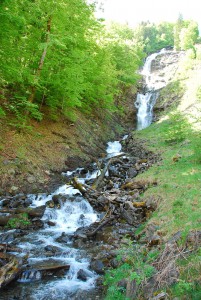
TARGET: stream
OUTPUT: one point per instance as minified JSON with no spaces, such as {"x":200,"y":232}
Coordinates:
{"x":56,"y":267}
{"x":52,"y":245}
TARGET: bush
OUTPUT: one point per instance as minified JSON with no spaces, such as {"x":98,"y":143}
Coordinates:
{"x":196,"y":146}
{"x":2,"y":113}
{"x":178,"y":130}
{"x":20,"y":221}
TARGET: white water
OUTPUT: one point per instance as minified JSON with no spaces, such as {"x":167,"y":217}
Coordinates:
{"x":113,"y":148}
{"x":74,"y":212}
{"x":68,"y":218}
{"x":145,"y":102}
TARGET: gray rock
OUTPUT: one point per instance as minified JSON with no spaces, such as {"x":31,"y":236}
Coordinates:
{"x":82,"y":275}
{"x":132,"y":173}
{"x":98,"y":267}
{"x":11,"y":172}
{"x":14,"y":189}
{"x":31,"y":179}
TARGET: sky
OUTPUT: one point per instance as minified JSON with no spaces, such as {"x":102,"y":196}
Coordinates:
{"x":135,"y":11}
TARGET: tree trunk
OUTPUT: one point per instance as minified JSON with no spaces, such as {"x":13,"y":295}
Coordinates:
{"x":41,"y":63}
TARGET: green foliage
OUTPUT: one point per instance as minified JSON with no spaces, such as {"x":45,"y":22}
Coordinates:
{"x":181,"y":35}
{"x":69,"y":65}
{"x":188,"y":286}
{"x":127,"y":53}
{"x":186,"y":35}
{"x":171,"y":94}
{"x":21,"y":221}
{"x":196,"y":146}
{"x":20,"y":106}
{"x":155,"y":37}
{"x":2,"y":113}
{"x":178,"y":129}
{"x":135,"y":264}
{"x":187,"y":290}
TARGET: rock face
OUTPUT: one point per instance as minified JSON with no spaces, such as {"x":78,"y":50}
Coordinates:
{"x":164,"y":68}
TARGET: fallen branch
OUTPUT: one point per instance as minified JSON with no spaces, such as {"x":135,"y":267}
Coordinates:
{"x":91,"y":234}
{"x":6,"y":248}
{"x":103,"y":172}
{"x":10,"y":270}
{"x":77,"y":185}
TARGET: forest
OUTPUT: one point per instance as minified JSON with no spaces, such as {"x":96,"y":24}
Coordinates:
{"x":57,"y":57}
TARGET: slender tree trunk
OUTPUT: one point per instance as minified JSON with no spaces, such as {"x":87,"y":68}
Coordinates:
{"x":41,"y":62}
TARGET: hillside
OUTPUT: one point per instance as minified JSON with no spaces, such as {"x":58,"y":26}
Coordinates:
{"x":32,"y":160}
{"x":165,"y":261}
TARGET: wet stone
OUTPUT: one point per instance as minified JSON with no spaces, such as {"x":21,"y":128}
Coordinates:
{"x":82,"y":275}
{"x":132,"y":173}
{"x":98,"y":267}
{"x":53,"y":249}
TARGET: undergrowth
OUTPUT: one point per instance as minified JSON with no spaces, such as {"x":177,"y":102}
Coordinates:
{"x":134,"y":265}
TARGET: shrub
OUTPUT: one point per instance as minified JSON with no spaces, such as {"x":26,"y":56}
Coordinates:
{"x":178,"y":130}
{"x":20,"y":221}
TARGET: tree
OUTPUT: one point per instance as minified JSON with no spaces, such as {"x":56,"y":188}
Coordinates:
{"x":56,"y":54}
{"x":189,"y":36}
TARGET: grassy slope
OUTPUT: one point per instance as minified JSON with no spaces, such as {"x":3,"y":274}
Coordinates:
{"x":178,"y":192}
{"x":179,"y":174}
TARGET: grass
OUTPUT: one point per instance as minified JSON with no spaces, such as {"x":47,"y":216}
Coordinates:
{"x":177,"y":138}
{"x":179,"y":190}
{"x":179,"y":178}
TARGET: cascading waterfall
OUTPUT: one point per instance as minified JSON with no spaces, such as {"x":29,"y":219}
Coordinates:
{"x":145,"y":102}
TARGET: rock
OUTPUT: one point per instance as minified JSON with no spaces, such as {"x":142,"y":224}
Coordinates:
{"x":114,"y":263}
{"x":6,"y":202}
{"x":55,"y":199}
{"x":64,"y":238}
{"x":14,"y":189}
{"x":7,"y":237}
{"x":50,"y":223}
{"x":82,"y":275}
{"x":132,"y":173}
{"x":161,"y":296}
{"x":11,"y":172}
{"x":50,"y":204}
{"x":139,"y":204}
{"x":47,"y":172}
{"x":98,"y":267}
{"x":27,"y":202}
{"x":129,"y":205}
{"x":31,"y":179}
{"x":37,"y":223}
{"x":154,"y":240}
{"x":129,"y":216}
{"x":50,"y":248}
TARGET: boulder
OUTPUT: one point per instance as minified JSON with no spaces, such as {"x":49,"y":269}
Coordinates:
{"x":98,"y":267}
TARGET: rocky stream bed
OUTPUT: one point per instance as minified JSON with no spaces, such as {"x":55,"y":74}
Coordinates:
{"x":59,"y":244}
{"x":113,"y":193}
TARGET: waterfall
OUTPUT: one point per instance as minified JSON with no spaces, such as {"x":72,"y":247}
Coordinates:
{"x":145,"y":102}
